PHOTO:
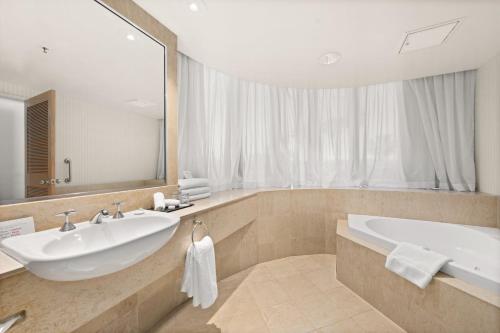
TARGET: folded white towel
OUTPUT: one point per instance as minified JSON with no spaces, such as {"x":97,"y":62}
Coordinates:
{"x":415,"y":263}
{"x":199,"y":196}
{"x":196,"y":190}
{"x":200,"y":278}
{"x":159,"y":200}
{"x":172,"y":202}
{"x":185,"y":184}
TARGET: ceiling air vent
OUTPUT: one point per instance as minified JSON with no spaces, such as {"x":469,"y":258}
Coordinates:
{"x":429,"y":36}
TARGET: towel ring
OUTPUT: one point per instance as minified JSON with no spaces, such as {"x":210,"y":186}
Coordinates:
{"x":197,"y":223}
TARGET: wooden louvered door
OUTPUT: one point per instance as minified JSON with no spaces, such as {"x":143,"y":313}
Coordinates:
{"x":40,"y":144}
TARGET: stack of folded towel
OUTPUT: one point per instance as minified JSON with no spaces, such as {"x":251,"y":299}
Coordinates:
{"x":196,"y":188}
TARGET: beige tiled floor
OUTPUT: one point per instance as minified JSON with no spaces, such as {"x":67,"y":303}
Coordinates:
{"x":290,"y":295}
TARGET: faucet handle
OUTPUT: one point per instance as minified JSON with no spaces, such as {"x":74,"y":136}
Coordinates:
{"x":118,"y":214}
{"x":67,"y":226}
{"x":67,"y":213}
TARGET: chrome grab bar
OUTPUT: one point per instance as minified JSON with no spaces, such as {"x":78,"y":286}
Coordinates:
{"x":54,"y":181}
{"x":68,"y":162}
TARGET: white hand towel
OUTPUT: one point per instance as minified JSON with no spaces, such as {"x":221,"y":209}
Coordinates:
{"x":196,"y":190}
{"x":200,"y":278}
{"x":185,"y":184}
{"x":159,"y":200}
{"x":415,"y":263}
{"x":199,"y":196}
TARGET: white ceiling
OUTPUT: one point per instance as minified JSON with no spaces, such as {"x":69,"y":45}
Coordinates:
{"x":279,"y":41}
{"x":89,"y":57}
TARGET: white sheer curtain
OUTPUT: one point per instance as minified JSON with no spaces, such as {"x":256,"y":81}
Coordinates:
{"x":209,"y":124}
{"x":445,"y":107}
{"x":245,"y":134}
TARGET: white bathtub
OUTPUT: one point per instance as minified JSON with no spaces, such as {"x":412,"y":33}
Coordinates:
{"x":475,"y":251}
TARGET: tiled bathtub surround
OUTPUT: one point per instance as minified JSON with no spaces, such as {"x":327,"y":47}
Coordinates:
{"x":304,"y":221}
{"x":445,"y":305}
{"x":248,"y":226}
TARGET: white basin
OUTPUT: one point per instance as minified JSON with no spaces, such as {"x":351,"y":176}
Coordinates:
{"x":92,"y":250}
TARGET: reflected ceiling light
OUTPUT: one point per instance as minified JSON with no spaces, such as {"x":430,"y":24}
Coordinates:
{"x":196,"y":5}
{"x":193,"y":7}
{"x":330,"y":58}
{"x":130,"y":37}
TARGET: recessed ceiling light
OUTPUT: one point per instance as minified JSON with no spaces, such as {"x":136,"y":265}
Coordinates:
{"x":330,"y":58}
{"x":130,"y":37}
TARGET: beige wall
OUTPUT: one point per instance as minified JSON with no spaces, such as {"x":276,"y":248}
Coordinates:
{"x":488,"y":127}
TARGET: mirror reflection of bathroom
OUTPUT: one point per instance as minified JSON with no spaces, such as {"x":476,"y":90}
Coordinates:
{"x":82,"y":106}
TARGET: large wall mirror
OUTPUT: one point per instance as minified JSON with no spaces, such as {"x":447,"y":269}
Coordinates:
{"x":82,"y":101}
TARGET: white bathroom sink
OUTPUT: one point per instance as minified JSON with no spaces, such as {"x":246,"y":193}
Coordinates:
{"x":92,"y":250}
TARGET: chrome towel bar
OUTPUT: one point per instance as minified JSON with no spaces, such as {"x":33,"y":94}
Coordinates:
{"x":198,"y":223}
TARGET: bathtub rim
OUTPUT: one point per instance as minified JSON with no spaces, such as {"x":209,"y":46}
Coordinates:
{"x":358,"y":224}
{"x":361,"y":228}
{"x":475,"y":291}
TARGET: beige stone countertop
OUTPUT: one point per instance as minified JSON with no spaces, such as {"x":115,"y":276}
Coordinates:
{"x":482,"y":294}
{"x":217,"y":199}
{"x":9,"y":266}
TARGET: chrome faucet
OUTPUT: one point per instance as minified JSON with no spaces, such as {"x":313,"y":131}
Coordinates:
{"x":118,"y":214}
{"x":97,"y":219}
{"x":67,"y":226}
